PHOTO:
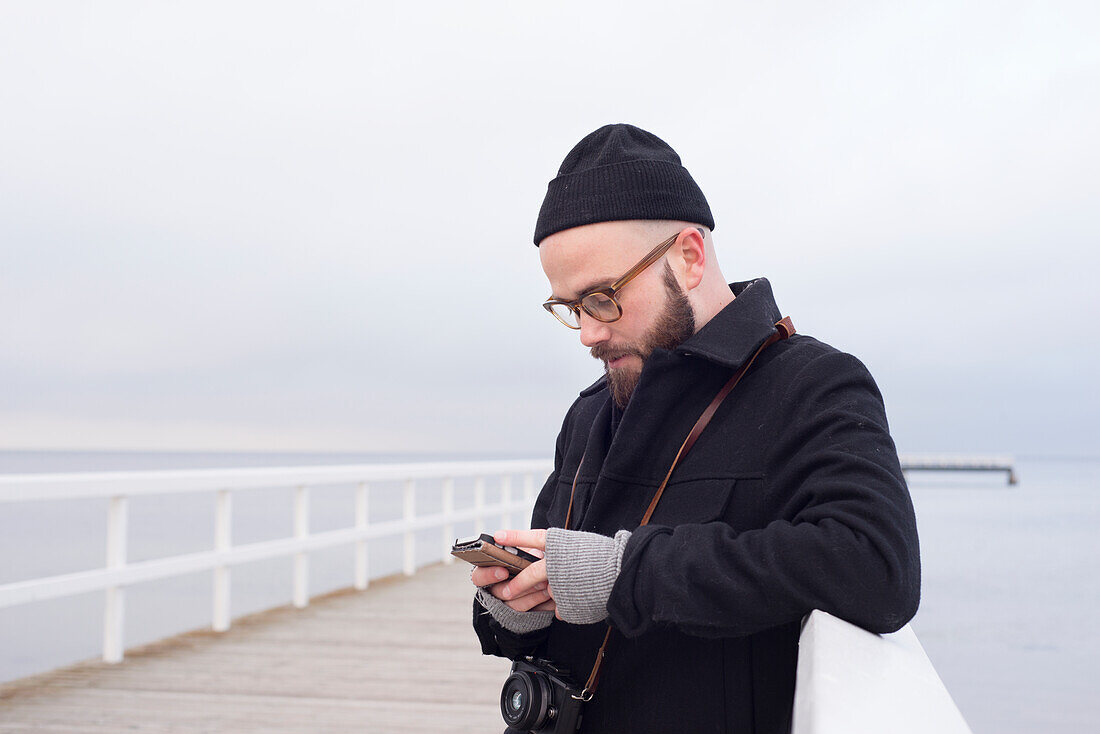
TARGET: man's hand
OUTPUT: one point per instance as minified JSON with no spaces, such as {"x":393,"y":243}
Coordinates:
{"x":529,"y":590}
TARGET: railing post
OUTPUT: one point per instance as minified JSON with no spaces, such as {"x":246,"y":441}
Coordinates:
{"x":479,"y":505}
{"x":223,"y":523}
{"x":506,"y":500}
{"x":528,"y":494}
{"x":410,"y":536}
{"x":362,"y":569}
{"x":448,"y":524}
{"x":301,"y":557}
{"x":114,"y":612}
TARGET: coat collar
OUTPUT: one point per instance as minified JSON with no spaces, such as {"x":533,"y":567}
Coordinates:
{"x":735,"y":332}
{"x":637,"y":445}
{"x":738,"y":330}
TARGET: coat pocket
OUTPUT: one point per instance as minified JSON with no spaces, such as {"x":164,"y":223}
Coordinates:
{"x":693,"y":501}
{"x":559,"y":505}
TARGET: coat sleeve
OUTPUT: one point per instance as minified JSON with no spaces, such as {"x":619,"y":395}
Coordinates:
{"x":845,"y":541}
{"x":495,"y":639}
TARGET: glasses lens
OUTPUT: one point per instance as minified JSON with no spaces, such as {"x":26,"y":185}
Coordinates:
{"x":601,"y":307}
{"x":565,"y":315}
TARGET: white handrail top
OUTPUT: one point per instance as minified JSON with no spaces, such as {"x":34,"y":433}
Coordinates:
{"x":851,"y":681}
{"x":30,"y":487}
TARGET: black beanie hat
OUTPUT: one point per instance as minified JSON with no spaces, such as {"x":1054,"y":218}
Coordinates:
{"x":620,"y":172}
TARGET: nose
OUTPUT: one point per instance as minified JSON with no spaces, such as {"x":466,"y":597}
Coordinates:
{"x":593,"y":331}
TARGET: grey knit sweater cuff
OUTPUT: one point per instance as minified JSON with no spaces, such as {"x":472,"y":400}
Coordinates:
{"x":582,"y":568}
{"x":518,"y":622}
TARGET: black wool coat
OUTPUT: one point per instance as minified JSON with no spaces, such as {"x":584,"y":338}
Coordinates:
{"x":791,"y":500}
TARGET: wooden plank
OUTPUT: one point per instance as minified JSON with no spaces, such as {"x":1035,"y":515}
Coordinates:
{"x":399,"y":657}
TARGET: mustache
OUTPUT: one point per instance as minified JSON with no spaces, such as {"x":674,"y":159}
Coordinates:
{"x":606,"y":352}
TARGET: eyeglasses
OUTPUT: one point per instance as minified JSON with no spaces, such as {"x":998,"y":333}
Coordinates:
{"x":601,"y":304}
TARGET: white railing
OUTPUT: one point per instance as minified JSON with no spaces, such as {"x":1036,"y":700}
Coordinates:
{"x":117,"y":573}
{"x":850,"y":680}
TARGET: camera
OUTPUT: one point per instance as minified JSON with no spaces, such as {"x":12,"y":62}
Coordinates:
{"x":539,"y":697}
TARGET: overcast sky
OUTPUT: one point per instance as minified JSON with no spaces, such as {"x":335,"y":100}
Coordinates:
{"x":271,"y":226}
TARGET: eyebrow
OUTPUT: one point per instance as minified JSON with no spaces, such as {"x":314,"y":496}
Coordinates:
{"x":591,"y":286}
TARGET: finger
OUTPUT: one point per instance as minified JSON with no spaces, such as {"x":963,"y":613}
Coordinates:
{"x":487,"y":575}
{"x":529,"y":602}
{"x":498,"y":591}
{"x":522,"y":538}
{"x":525,"y":581}
{"x":547,"y":606}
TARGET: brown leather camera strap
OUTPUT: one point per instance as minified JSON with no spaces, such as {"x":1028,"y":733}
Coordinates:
{"x":784,"y":329}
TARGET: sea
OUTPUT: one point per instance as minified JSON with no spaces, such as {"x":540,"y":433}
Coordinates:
{"x":1010,"y":589}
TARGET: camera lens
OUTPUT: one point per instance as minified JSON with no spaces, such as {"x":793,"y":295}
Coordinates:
{"x":525,"y":700}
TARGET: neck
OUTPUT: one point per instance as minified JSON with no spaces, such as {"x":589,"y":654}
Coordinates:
{"x":710,"y":301}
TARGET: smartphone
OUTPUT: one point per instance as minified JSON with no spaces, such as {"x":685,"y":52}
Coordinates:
{"x":482,"y":550}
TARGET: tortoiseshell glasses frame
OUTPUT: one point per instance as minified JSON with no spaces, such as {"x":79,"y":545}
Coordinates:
{"x":601,"y":303}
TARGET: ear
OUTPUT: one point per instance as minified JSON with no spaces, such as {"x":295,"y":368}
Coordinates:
{"x":691,"y":253}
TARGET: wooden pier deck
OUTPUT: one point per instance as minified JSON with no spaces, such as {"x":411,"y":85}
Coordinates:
{"x":398,"y":657}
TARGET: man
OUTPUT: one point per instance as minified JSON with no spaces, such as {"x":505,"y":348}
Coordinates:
{"x":791,"y":499}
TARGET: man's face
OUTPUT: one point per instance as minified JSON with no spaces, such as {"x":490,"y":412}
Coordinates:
{"x":656,"y":312}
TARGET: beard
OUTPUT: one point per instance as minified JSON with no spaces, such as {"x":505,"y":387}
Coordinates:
{"x":673,"y":326}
